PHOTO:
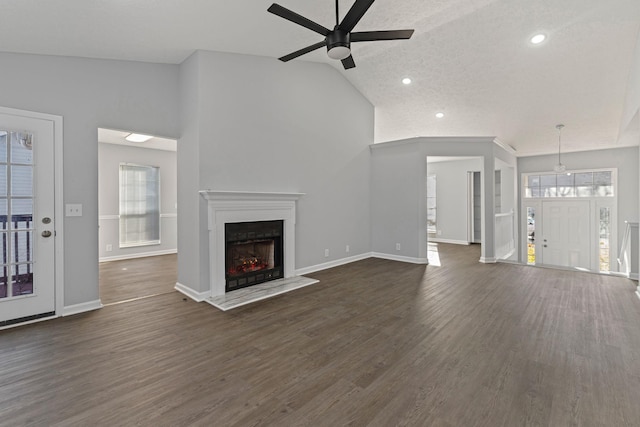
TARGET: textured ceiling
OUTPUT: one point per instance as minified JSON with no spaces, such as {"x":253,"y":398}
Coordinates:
{"x":470,"y":59}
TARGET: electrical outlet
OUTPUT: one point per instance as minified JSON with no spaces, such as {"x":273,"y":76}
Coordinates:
{"x":326,"y":253}
{"x":397,"y":246}
{"x":347,"y":249}
{"x":109,"y":248}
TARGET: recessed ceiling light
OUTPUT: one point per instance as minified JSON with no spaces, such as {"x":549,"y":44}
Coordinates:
{"x":538,"y":38}
{"x":137,"y":137}
{"x":439,"y":115}
{"x":406,"y":81}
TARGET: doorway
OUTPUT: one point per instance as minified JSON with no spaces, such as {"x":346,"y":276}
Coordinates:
{"x":137,"y":205}
{"x":454,"y":199}
{"x":28,"y":216}
{"x":569,"y":219}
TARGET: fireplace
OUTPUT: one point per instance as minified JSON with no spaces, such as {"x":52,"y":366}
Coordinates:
{"x":253,"y":253}
{"x":239,"y":207}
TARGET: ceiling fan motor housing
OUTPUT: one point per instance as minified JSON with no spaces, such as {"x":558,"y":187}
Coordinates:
{"x":338,"y":44}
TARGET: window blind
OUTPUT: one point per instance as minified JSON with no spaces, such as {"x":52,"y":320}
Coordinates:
{"x":139,"y":205}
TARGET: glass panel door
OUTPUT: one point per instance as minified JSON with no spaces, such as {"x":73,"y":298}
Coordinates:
{"x":27,"y":233}
{"x":16,"y":214}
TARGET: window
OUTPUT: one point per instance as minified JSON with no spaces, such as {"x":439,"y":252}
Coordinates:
{"x":431,"y":204}
{"x":603,"y":239}
{"x":139,"y":205}
{"x":579,"y":184}
{"x":531,"y":236}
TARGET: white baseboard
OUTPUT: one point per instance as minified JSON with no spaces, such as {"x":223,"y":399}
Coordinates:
{"x":331,"y":264}
{"x":634,"y":276}
{"x":508,"y":254}
{"x":400,"y":258}
{"x":452,"y":241}
{"x":638,"y":293}
{"x":487,"y":260}
{"x":81,"y":308}
{"x":196,"y":296}
{"x":138,"y":255}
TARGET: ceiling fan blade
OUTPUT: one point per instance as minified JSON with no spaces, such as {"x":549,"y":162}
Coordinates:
{"x":289,"y":15}
{"x":354,"y":15}
{"x":348,"y":62}
{"x":302,"y":51}
{"x":369,"y":36}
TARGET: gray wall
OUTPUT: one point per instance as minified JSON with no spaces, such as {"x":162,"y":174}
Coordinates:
{"x":89,"y":94}
{"x":624,"y":159}
{"x":398,"y":199}
{"x":109,"y":158}
{"x":452,"y":196}
{"x":257,"y":124}
{"x":398,"y":202}
{"x":630,"y":121}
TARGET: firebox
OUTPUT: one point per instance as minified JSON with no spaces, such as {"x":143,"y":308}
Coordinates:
{"x":253,"y":253}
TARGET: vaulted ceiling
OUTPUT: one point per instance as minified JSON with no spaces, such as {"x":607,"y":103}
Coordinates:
{"x":469,"y":59}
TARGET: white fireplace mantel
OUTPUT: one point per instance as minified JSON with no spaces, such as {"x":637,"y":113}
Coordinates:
{"x":245,"y":206}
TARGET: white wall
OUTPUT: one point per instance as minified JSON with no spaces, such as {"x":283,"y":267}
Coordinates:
{"x":624,"y":159}
{"x":452,"y":196}
{"x":109,"y":158}
{"x":257,"y":124}
{"x":89,"y":94}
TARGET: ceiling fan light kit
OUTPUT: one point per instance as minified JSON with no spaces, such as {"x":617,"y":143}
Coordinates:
{"x":338,"y":41}
{"x":338,"y":45}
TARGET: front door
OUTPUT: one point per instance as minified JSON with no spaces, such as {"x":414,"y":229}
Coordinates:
{"x":566,"y":233}
{"x":27,"y":223}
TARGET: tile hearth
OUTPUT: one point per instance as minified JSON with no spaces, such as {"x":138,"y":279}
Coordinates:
{"x":259,"y":292}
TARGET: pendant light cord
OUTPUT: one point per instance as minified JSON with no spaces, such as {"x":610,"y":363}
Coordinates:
{"x":337,"y":15}
{"x":559,"y":127}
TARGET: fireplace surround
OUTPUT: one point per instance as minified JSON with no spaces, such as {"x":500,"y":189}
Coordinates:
{"x":230,"y":207}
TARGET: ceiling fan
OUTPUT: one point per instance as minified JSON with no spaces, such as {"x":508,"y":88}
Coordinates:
{"x":338,"y":41}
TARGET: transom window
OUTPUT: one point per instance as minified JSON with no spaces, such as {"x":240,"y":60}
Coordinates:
{"x":578,"y":184}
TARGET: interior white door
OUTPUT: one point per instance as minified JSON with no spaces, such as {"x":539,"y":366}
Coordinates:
{"x":566,"y":233}
{"x":27,"y":222}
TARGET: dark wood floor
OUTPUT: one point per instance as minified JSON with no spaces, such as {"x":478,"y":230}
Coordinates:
{"x":376,"y":342}
{"x":138,"y":277}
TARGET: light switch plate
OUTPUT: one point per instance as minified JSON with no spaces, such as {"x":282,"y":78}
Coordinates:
{"x":73,"y":209}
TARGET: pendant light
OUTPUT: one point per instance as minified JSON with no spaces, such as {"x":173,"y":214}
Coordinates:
{"x":559,"y":168}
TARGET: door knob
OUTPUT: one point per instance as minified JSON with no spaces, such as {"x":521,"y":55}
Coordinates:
{"x":46,"y":233}
{"x":46,"y":220}
{"x":544,"y":246}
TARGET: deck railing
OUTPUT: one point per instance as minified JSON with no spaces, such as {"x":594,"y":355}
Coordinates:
{"x":20,"y":277}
